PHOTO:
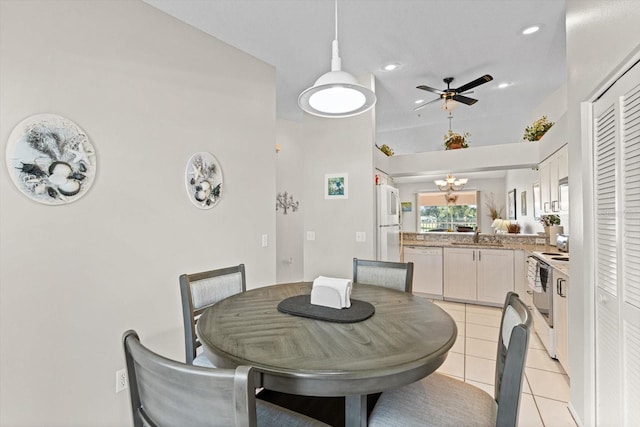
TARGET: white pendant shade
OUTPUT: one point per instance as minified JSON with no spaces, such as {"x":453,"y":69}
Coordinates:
{"x":336,"y":93}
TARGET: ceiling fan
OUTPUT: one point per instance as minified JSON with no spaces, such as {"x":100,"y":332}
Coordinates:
{"x":455,"y":94}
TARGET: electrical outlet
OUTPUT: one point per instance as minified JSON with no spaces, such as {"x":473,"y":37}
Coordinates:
{"x":540,"y":241}
{"x":122,"y":381}
{"x":361,"y":236}
{"x":311,"y":235}
{"x":265,"y":240}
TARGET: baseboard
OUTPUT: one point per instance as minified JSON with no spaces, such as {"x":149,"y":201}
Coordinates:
{"x":574,"y":415}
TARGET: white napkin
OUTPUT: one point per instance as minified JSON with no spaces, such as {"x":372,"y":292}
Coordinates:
{"x":331,"y":292}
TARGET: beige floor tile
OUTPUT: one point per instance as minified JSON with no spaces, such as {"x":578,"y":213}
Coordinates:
{"x":483,"y":309}
{"x":479,"y":369}
{"x":458,"y":316}
{"x":534,"y":341}
{"x":454,"y":365}
{"x":548,"y":384}
{"x":487,"y":388}
{"x":540,"y":359}
{"x":462,"y":327}
{"x":554,"y":413}
{"x":484,"y":319}
{"x":448,"y":305}
{"x":459,"y":346}
{"x":525,"y":385}
{"x":482,"y":332}
{"x":528,"y":416}
{"x":481,"y":348}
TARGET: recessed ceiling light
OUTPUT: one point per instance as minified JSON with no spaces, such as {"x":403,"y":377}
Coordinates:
{"x":418,"y":101}
{"x":531,"y":30}
{"x":503,"y":85}
{"x":391,"y":67}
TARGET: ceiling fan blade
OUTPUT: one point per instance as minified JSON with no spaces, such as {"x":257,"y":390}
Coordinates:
{"x":430,"y":89}
{"x":425,"y":104}
{"x":477,"y":82}
{"x":464,"y":99}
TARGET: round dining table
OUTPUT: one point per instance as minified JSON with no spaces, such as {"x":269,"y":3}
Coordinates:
{"x":406,"y":339}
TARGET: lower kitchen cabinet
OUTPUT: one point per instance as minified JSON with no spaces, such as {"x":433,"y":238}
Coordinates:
{"x":560,"y":318}
{"x":427,"y":270}
{"x":480,"y":275}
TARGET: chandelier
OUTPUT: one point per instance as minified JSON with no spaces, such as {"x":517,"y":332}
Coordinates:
{"x":451,"y":183}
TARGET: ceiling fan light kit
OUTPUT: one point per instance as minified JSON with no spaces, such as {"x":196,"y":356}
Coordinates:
{"x":449,"y":95}
{"x":336,"y":94}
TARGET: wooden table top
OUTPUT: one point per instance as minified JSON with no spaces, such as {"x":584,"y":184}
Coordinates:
{"x":406,"y":339}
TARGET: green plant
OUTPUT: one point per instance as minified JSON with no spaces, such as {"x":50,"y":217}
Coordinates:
{"x":453,"y":138}
{"x":537,"y":129}
{"x":549,"y":220}
{"x":386,"y":150}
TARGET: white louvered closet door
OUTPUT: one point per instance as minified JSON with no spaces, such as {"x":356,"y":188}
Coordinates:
{"x":617,"y":251}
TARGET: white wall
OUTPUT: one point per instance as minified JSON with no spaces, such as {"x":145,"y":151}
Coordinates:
{"x":290,"y":172}
{"x":337,"y":146}
{"x":149,"y":91}
{"x":600,"y":35}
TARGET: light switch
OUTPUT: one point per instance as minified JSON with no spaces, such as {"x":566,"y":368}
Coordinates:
{"x":311,"y":235}
{"x":265,"y":240}
{"x":361,"y":236}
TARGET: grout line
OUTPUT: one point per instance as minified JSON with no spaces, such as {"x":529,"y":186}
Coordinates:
{"x":535,"y":402}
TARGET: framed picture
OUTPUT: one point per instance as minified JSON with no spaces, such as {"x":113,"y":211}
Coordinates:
{"x":523,"y":203}
{"x":406,"y":206}
{"x":336,"y":186}
{"x":511,"y":203}
{"x":536,"y":200}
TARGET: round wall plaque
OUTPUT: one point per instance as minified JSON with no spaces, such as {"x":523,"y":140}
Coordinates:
{"x":203,"y":178}
{"x":50,"y":159}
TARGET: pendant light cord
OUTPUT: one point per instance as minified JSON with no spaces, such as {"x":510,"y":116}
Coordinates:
{"x":336,"y":62}
{"x":336,"y":18}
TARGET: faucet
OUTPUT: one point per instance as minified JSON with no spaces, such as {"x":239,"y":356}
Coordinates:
{"x":476,"y":236}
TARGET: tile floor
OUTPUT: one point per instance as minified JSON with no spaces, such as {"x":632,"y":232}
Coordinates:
{"x":472,"y":359}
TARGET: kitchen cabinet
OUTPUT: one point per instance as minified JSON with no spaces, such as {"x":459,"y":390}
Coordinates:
{"x":551,"y":171}
{"x":427,"y":270}
{"x":560,"y":316}
{"x":481,"y":275}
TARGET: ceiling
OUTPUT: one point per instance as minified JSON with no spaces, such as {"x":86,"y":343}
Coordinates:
{"x":430,"y":39}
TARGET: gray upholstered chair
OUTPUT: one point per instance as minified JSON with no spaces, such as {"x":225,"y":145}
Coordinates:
{"x":200,"y":291}
{"x":166,"y":393}
{"x":438,"y":400}
{"x":394,"y":275}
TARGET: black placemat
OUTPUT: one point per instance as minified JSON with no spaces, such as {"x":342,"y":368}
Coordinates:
{"x":300,"y":305}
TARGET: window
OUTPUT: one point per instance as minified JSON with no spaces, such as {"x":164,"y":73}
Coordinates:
{"x":447,"y":212}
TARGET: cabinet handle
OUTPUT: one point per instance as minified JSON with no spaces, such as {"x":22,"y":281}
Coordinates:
{"x":479,"y":255}
{"x":546,"y":206}
{"x":474,"y":255}
{"x":555,"y":206}
{"x":530,"y":292}
{"x":559,"y":291}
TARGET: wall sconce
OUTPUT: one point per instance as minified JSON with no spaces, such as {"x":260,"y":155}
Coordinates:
{"x":285,"y":202}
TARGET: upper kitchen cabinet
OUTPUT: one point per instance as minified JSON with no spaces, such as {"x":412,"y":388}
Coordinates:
{"x":554,"y":171}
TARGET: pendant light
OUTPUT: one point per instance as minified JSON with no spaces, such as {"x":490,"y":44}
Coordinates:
{"x":337,"y":93}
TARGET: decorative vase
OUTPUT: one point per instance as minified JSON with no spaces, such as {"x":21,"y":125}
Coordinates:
{"x":455,"y":145}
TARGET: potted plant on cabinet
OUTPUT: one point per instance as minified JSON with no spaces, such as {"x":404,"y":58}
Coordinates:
{"x":454,"y":140}
{"x":552,"y":227}
{"x":537,"y":129}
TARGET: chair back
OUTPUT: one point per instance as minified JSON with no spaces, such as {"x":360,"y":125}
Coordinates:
{"x":513,"y":344}
{"x":200,"y":291}
{"x":169,"y":393}
{"x":394,"y":275}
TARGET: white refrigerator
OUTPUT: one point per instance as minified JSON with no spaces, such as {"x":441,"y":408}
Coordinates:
{"x":388,"y":216}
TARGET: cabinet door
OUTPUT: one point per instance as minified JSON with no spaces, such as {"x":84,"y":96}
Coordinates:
{"x":560,"y":322}
{"x":563,"y":162}
{"x":553,"y":184}
{"x":495,"y":274}
{"x":545,"y":187}
{"x":427,"y":269}
{"x":460,"y":273}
